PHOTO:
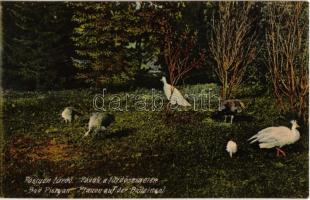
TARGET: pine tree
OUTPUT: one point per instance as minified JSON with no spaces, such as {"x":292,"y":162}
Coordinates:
{"x":113,"y":41}
{"x":37,"y":45}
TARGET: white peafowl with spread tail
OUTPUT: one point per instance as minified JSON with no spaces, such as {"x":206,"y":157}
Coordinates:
{"x":173,"y":94}
{"x":277,"y":137}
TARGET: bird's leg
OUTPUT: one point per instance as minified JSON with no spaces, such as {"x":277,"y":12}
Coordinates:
{"x":87,"y":133}
{"x":231,"y":119}
{"x":280,"y":151}
{"x":225,"y":116}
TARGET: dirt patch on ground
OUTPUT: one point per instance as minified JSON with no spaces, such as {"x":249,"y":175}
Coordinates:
{"x":51,"y":150}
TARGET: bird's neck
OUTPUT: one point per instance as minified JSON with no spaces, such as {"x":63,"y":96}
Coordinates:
{"x":166,"y":83}
{"x":296,"y":134}
{"x":294,"y":130}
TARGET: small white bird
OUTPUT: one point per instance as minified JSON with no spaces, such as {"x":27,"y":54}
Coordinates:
{"x":231,"y":148}
{"x":176,"y":97}
{"x":99,"y":122}
{"x":277,"y":137}
{"x":69,"y":113}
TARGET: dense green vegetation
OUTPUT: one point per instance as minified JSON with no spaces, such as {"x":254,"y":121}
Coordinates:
{"x":61,"y":45}
{"x":37,"y":46}
{"x":44,"y":40}
{"x":185,"y":150}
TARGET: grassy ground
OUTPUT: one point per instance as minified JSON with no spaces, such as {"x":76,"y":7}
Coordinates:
{"x":185,"y":150}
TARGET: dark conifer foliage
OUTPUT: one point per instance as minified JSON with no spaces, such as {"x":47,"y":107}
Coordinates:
{"x":112,"y":41}
{"x":37,"y":46}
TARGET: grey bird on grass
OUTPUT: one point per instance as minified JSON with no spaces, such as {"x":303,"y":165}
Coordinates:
{"x":99,"y":121}
{"x":69,"y":114}
{"x":229,"y":107}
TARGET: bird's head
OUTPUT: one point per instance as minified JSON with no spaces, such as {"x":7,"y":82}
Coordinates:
{"x":294,"y":124}
{"x":163,"y":79}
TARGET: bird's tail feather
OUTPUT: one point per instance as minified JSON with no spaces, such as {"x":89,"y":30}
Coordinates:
{"x":253,"y":137}
{"x":184,"y":103}
{"x":255,"y":140}
{"x":187,"y":104}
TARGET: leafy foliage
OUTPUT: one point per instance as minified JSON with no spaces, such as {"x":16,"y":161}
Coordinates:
{"x":37,"y":45}
{"x":115,"y":43}
{"x":111,"y":44}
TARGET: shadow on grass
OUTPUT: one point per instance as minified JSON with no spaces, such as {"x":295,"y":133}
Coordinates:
{"x":180,"y":118}
{"x":115,"y":134}
{"x":237,"y":117}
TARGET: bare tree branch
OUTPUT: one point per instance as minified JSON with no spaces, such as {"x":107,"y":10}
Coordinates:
{"x":287,"y":53}
{"x":179,"y":53}
{"x":233,"y":44}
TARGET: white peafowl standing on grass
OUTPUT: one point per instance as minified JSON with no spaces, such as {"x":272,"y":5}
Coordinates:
{"x":69,"y":114}
{"x":173,"y":94}
{"x":99,"y":122}
{"x":277,"y":137}
{"x":231,"y":148}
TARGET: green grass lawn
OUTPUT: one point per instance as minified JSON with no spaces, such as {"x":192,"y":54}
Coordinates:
{"x":185,"y":149}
